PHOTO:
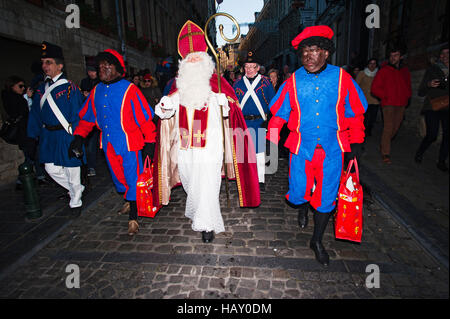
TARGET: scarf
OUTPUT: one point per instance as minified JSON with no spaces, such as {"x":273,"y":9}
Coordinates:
{"x":370,"y":73}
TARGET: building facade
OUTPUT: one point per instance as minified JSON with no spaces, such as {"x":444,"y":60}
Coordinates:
{"x":275,"y":26}
{"x":420,"y":26}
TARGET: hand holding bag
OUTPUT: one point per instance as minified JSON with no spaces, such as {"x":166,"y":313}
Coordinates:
{"x":144,"y":188}
{"x":349,"y":215}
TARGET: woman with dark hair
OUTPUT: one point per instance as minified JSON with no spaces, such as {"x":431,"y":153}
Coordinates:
{"x":274,"y":79}
{"x":15,"y":105}
{"x":16,"y":108}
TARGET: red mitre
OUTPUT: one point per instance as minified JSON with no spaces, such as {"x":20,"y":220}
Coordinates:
{"x":315,"y":31}
{"x":191,"y":39}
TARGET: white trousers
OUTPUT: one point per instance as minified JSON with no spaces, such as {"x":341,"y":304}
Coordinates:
{"x":70,"y":179}
{"x":261,"y":165}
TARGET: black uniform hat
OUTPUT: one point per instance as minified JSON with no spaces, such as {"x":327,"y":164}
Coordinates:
{"x":251,"y":58}
{"x":50,"y":50}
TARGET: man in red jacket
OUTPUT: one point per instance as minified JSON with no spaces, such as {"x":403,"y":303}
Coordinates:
{"x":392,"y":85}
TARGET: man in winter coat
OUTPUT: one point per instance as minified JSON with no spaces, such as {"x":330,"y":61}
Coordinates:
{"x":392,"y":85}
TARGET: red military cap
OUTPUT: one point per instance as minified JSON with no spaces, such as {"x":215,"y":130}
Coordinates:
{"x":191,"y":39}
{"x":322,"y":31}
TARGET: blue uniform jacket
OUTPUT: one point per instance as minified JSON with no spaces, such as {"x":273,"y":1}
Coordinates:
{"x":265,"y":92}
{"x":54,"y":145}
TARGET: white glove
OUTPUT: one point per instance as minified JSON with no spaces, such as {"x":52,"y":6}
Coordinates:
{"x":165,"y":108}
{"x":223,"y":101}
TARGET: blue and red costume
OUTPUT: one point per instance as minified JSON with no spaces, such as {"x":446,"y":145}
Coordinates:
{"x":124,"y":118}
{"x":325,"y":115}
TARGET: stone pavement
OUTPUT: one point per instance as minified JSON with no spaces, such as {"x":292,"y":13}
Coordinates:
{"x":262,"y":254}
{"x":20,"y":237}
{"x":416,"y":195}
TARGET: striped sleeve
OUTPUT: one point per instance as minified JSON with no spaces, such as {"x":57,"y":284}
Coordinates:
{"x":280,"y":108}
{"x":143,"y":114}
{"x":87,"y":116}
{"x":355,"y":107}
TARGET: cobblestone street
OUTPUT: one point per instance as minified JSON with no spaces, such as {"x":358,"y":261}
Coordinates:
{"x":262,"y":254}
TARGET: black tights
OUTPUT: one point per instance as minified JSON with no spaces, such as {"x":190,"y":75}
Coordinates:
{"x":132,"y":215}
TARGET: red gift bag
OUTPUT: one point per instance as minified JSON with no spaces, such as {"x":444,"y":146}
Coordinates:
{"x":144,"y":188}
{"x":348,"y":222}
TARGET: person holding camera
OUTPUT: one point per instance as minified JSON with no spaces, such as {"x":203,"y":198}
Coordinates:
{"x":434,"y":85}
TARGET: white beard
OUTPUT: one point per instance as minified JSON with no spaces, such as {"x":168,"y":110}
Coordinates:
{"x":193,"y":81}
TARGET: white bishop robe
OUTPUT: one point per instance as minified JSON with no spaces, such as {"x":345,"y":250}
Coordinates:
{"x":199,"y":168}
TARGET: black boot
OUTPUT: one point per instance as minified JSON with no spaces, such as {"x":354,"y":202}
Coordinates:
{"x":207,"y":236}
{"x":303,"y":215}
{"x":320,"y":224}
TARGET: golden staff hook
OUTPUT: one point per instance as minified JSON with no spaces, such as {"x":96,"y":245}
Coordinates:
{"x":218,"y":80}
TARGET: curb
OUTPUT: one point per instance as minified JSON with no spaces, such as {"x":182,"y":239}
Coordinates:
{"x":397,"y":214}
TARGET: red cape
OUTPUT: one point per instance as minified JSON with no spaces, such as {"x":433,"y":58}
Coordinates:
{"x":245,"y":173}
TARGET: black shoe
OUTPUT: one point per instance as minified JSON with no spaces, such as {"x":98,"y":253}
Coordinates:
{"x":320,"y":252}
{"x":262,"y":187}
{"x":442,"y":166}
{"x":207,"y":236}
{"x":418,"y":159}
{"x":303,"y":216}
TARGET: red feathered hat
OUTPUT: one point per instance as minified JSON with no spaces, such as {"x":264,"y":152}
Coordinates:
{"x":191,"y":39}
{"x":322,"y":31}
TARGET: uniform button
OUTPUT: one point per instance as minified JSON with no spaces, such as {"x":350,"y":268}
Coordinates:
{"x":317,"y":101}
{"x":106,"y":126}
{"x":106,"y":95}
{"x":317,"y":87}
{"x":317,"y":138}
{"x":105,"y":116}
{"x":317,"y":114}
{"x":104,"y":105}
{"x":107,"y":134}
{"x":318,"y":126}
{"x":107,"y":86}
